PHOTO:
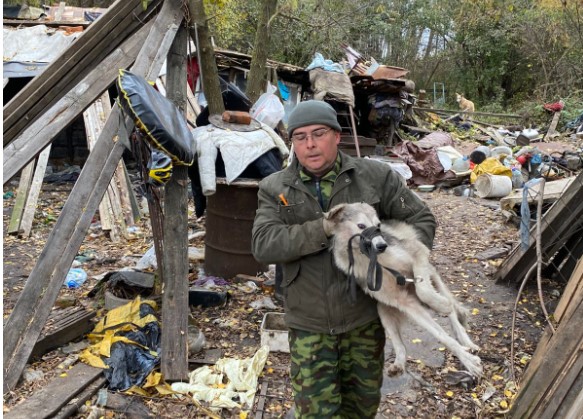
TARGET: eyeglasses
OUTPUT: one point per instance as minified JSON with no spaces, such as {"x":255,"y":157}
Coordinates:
{"x":316,"y":135}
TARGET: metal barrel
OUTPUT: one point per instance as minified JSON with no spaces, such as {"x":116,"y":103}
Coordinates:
{"x":229,"y":221}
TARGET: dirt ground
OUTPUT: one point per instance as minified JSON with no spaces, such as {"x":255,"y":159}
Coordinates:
{"x":431,"y":388}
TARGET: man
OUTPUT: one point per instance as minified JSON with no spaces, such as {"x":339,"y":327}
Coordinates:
{"x":336,"y":347}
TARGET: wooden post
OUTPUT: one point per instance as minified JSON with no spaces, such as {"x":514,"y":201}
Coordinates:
{"x":21,"y":197}
{"x":175,"y":298}
{"x":33,"y":194}
{"x":32,"y":309}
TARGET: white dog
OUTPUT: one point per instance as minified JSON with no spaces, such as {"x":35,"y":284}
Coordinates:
{"x":401,"y":254}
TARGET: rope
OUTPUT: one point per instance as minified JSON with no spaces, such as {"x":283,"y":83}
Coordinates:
{"x":374,"y":276}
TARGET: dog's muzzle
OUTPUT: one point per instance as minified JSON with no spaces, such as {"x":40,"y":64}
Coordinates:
{"x":371,"y":244}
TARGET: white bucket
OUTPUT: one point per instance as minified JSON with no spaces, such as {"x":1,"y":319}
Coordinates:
{"x":493,"y":186}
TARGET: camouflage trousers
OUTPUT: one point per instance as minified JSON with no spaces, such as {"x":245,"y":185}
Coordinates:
{"x":337,"y":376}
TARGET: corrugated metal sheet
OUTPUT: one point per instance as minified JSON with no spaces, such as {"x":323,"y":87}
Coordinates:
{"x":27,"y":51}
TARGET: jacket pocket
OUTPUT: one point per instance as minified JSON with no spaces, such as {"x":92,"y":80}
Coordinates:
{"x":290,"y":272}
{"x":291,"y":213}
{"x":407,"y":206}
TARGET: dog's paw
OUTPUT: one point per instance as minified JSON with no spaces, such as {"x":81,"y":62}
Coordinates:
{"x":471,"y":346}
{"x":395,"y":369}
{"x":474,"y":365}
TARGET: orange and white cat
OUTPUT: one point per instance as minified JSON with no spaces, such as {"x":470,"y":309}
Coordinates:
{"x":465,"y":104}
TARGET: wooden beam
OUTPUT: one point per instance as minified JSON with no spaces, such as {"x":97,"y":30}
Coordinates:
{"x":110,"y":211}
{"x":74,"y":404}
{"x":553,"y":372}
{"x":559,"y":222}
{"x":21,"y":197}
{"x":62,"y":327}
{"x":501,"y":115}
{"x":51,"y":24}
{"x":47,"y":401}
{"x":553,"y":126}
{"x":33,"y":194}
{"x":175,"y":309}
{"x":44,"y":130}
{"x":42,"y":287}
{"x":121,"y":20}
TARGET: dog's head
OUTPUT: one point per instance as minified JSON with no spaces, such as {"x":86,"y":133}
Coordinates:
{"x":347,"y":220}
{"x":458,"y":97}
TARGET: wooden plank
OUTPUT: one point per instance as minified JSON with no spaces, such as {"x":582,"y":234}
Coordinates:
{"x":33,"y":194}
{"x":565,"y":343}
{"x":119,"y":195}
{"x":553,"y":190}
{"x":110,"y":207}
{"x":43,"y":131}
{"x":92,"y":131}
{"x":52,"y":24}
{"x":63,"y":327}
{"x":134,"y":214}
{"x":103,"y":37}
{"x":74,"y":404}
{"x":261,"y":400}
{"x":558,"y":395}
{"x":572,"y":294}
{"x":501,"y":115}
{"x":86,"y":42}
{"x":575,"y":409}
{"x":174,"y":362}
{"x":21,"y":197}
{"x":42,"y":287}
{"x":47,"y":401}
{"x":566,"y":215}
{"x":552,"y":128}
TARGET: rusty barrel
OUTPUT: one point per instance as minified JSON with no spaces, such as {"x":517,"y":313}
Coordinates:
{"x":229,"y":220}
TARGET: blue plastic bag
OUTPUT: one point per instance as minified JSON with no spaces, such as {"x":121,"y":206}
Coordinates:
{"x":75,"y":278}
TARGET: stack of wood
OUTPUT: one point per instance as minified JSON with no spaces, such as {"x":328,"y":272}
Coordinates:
{"x":52,"y":100}
{"x":552,"y":386}
{"x":60,"y":94}
{"x":115,"y":209}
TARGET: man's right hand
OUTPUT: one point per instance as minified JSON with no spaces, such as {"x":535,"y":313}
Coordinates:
{"x":328,"y":226}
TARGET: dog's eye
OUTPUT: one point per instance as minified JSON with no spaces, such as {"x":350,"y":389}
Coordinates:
{"x":361,"y":226}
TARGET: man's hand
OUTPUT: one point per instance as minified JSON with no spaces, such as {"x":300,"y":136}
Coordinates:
{"x":328,"y":226}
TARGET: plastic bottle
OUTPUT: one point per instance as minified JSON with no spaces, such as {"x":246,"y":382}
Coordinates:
{"x":461,"y":164}
{"x":75,"y":278}
{"x":517,"y":180}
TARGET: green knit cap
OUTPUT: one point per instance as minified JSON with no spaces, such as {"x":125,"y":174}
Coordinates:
{"x":312,"y":112}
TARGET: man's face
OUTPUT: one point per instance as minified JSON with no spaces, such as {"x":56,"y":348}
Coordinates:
{"x":318,"y":150}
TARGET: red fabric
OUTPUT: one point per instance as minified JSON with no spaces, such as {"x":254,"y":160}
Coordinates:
{"x":554,"y":107}
{"x":192,"y":73}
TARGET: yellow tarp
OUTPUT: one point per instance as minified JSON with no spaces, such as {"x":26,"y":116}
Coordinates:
{"x":492,"y":166}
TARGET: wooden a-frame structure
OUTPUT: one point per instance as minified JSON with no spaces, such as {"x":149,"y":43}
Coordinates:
{"x":125,"y":34}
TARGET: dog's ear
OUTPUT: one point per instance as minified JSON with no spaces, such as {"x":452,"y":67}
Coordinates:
{"x":334,"y":212}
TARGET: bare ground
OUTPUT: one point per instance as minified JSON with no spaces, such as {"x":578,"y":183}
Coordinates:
{"x":431,"y":389}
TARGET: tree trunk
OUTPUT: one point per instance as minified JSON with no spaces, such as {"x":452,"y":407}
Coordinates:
{"x":258,"y":71}
{"x":209,"y":73}
{"x":429,"y":45}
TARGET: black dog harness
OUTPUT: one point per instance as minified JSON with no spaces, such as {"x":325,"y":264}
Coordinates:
{"x":374,"y":276}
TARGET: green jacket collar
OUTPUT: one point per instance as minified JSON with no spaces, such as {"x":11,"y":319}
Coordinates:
{"x":292,"y":172}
